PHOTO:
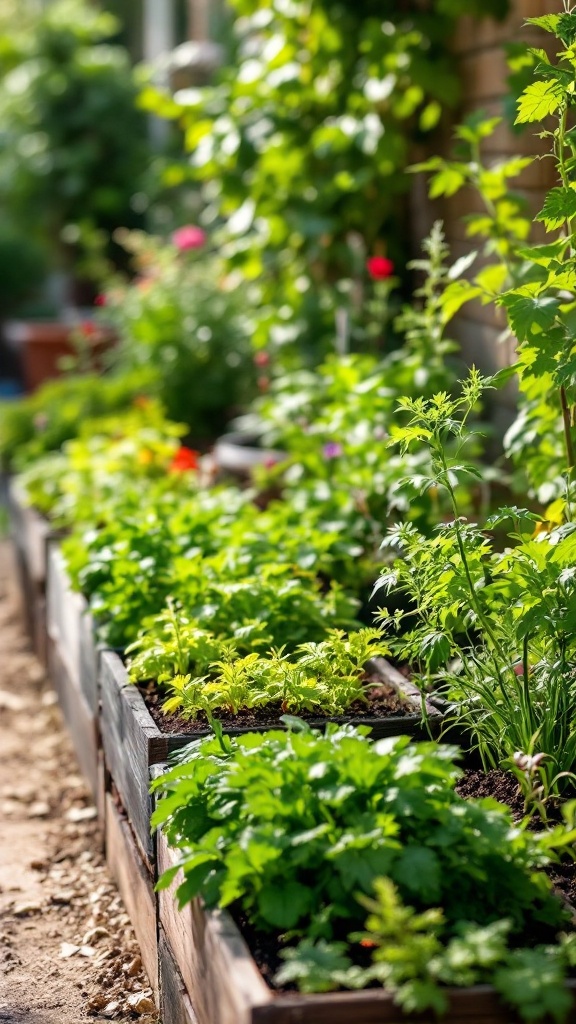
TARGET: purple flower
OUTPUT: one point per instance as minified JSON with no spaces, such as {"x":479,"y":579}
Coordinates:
{"x":332,"y":450}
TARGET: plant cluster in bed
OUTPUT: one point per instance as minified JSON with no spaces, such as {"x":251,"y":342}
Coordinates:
{"x":205,"y":674}
{"x":305,"y":832}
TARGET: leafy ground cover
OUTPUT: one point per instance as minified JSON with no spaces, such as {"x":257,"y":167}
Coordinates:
{"x":306,"y":832}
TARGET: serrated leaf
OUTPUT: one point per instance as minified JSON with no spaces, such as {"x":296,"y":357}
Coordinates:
{"x":559,"y":206}
{"x":543,"y":255}
{"x":539,"y":100}
{"x":525,"y":312}
{"x":548,"y":22}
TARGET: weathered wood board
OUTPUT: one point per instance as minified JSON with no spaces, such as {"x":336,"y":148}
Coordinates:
{"x":71,"y":628}
{"x":175,"y":1005}
{"x":81,"y":722}
{"x":136,"y":887}
{"x":30,"y":532}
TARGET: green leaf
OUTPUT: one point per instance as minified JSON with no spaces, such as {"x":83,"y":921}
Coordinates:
{"x":549,"y":22}
{"x":533,"y":981}
{"x":282,"y":905}
{"x":313,"y":965}
{"x":559,"y":206}
{"x":418,"y":870}
{"x":539,"y":100}
{"x":525,"y":312}
{"x":456,"y":295}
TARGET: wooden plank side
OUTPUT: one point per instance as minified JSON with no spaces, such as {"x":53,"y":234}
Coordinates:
{"x":175,"y":1005}
{"x":131,"y":740}
{"x":62,"y":612}
{"x":222,"y":980}
{"x":70,"y":625}
{"x":135,"y":886}
{"x":81,"y":722}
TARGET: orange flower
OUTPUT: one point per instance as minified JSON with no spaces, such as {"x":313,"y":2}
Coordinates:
{"x":184,"y":460}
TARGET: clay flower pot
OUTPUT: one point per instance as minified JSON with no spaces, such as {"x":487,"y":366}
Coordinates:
{"x":42,"y":345}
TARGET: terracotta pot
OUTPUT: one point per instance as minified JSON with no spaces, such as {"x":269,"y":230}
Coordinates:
{"x":42,"y":345}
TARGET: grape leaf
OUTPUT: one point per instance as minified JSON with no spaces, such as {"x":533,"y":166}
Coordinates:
{"x":538,"y":100}
{"x":526,"y":312}
{"x":559,"y":206}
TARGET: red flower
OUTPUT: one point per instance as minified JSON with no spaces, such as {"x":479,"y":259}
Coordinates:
{"x":379,"y":267}
{"x":189,"y":237}
{"x":261,"y":359}
{"x":100,"y":299}
{"x":184,"y":460}
{"x":89,"y":329}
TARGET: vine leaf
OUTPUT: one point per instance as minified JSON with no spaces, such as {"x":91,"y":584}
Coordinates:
{"x":559,"y":206}
{"x":538,"y":100}
{"x":526,"y":312}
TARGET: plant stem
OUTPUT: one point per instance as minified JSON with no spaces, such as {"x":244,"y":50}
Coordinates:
{"x":567,"y":429}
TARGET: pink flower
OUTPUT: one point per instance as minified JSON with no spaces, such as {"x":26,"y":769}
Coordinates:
{"x":261,"y":359}
{"x":379,"y":267}
{"x":189,"y":237}
{"x":332,"y":450}
{"x":100,"y":299}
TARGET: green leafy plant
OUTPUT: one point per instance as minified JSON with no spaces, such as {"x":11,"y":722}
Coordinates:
{"x":497,"y":627}
{"x":142,"y":552}
{"x":189,"y":322}
{"x":540,"y":307}
{"x":133,"y":446}
{"x":327,"y":677}
{"x":43,"y":421}
{"x":295,"y":828}
{"x":302,"y":149}
{"x":73,"y":140}
{"x":333,"y":423}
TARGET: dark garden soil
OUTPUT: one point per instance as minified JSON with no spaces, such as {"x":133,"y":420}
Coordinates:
{"x":504,"y":787}
{"x":500,"y":785}
{"x":67,"y":950}
{"x":383,"y":702}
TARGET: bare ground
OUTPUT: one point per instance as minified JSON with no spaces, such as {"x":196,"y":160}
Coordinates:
{"x":67,"y":951}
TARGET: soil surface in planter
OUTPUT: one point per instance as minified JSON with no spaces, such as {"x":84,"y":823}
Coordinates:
{"x":67,"y":950}
{"x":383,"y":702}
{"x":504,"y":787}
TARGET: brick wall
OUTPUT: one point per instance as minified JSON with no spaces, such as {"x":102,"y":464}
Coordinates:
{"x":478,"y":50}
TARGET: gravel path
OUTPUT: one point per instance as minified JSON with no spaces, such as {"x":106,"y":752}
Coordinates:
{"x":67,"y":951}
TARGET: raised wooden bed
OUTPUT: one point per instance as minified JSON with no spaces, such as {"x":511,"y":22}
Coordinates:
{"x":71,"y":628}
{"x":30,"y":532}
{"x":133,"y":743}
{"x":224,"y":984}
{"x":135,"y":886}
